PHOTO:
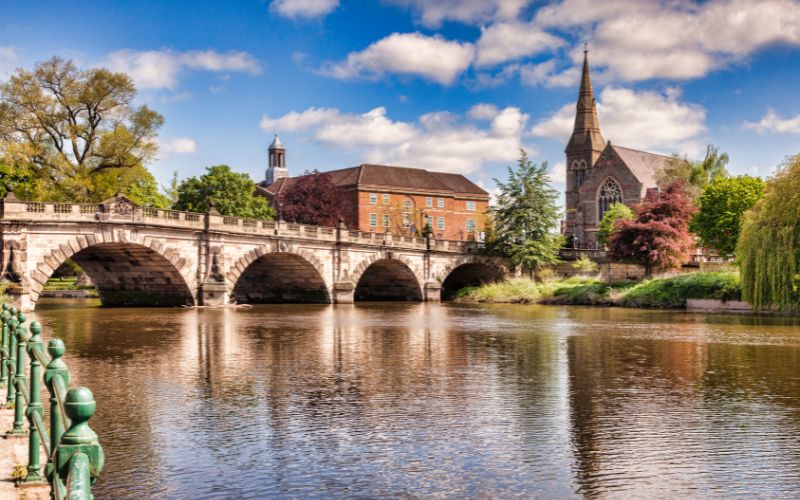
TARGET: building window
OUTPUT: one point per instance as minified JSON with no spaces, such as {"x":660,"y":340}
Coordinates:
{"x":429,"y":221}
{"x":429,"y":202}
{"x":610,"y":193}
{"x":470,"y":206}
{"x":386,"y":221}
{"x":385,"y":199}
{"x":471,"y":226}
{"x":406,"y":219}
{"x":579,"y":173}
{"x":373,"y":198}
{"x":440,"y":202}
{"x":373,"y":220}
{"x":440,"y":222}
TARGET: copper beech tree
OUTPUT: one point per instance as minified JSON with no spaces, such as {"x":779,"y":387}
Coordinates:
{"x":658,"y":237}
{"x":314,"y":199}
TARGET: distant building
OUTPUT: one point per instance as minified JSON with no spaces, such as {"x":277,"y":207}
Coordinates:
{"x":398,"y":200}
{"x":600,"y":174}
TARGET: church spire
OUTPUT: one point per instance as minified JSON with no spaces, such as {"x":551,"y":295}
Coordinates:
{"x":586,"y":133}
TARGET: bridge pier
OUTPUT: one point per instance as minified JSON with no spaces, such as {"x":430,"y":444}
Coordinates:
{"x":433,"y":291}
{"x":20,"y":297}
{"x":213,"y":294}
{"x":344,"y":292}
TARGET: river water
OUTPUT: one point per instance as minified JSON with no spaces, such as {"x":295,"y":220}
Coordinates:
{"x":423,"y":400}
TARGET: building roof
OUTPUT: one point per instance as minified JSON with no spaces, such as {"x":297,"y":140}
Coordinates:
{"x":276,"y":143}
{"x":645,"y":166}
{"x":382,"y":177}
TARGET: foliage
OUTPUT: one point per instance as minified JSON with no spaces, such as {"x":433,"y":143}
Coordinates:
{"x":4,"y":299}
{"x":69,"y":126}
{"x":658,"y":238}
{"x":546,"y":274}
{"x":769,"y":243}
{"x":232,"y":194}
{"x":617,"y":211}
{"x":314,"y":199}
{"x":171,"y":190}
{"x":672,"y":291}
{"x":696,"y":175}
{"x":516,"y":290}
{"x":722,"y":207}
{"x":19,"y":473}
{"x":665,"y":292}
{"x":585,"y":264}
{"x":67,"y":268}
{"x":526,"y":215}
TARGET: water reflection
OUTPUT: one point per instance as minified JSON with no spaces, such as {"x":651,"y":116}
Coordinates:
{"x":426,"y":400}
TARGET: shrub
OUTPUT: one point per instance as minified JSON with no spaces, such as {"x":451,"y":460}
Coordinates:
{"x":672,"y":291}
{"x":516,"y":290}
{"x":585,"y":264}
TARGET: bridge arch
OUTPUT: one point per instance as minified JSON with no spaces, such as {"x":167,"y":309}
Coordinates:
{"x":386,"y":278}
{"x":290,"y":275}
{"x":127,"y":269}
{"x":468,"y":271}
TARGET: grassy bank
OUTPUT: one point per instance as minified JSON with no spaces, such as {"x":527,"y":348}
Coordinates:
{"x":65,"y":284}
{"x":666,"y":292}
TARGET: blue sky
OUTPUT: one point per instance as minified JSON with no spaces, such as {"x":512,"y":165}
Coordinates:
{"x":453,"y":85}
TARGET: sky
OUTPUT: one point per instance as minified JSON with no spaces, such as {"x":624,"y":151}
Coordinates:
{"x":447,"y":85}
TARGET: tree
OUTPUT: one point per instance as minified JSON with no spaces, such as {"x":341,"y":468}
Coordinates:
{"x":171,"y":189}
{"x":526,"y":215}
{"x":69,"y":126}
{"x":617,"y":211}
{"x":722,"y":207}
{"x":696,"y":175}
{"x":314,"y":199}
{"x":658,"y":238}
{"x":769,"y":243}
{"x":232,"y":193}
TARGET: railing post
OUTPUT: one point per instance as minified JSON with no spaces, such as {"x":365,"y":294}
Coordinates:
{"x":79,"y":438}
{"x":4,"y":317}
{"x":19,"y":379}
{"x":56,"y":374}
{"x":34,"y":404}
{"x":12,"y":356}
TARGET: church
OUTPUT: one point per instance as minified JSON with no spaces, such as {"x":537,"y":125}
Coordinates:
{"x":599,"y":173}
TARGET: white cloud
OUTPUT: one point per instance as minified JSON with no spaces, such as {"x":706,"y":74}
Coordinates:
{"x":637,"y":40}
{"x":438,"y":141}
{"x":773,"y":122}
{"x":501,"y":42}
{"x":483,"y":111}
{"x":430,"y":57}
{"x":558,"y":173}
{"x":156,"y":69}
{"x":179,"y":146}
{"x":303,"y":9}
{"x":8,"y":58}
{"x":644,"y":120}
{"x":433,"y":13}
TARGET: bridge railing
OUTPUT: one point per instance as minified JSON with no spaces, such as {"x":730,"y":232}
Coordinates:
{"x":74,"y":456}
{"x":123,"y":211}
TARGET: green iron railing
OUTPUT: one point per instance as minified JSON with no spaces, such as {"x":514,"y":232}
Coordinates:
{"x":74,"y":456}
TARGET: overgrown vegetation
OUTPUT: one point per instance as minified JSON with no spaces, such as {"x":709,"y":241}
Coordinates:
{"x":664,"y":292}
{"x":769,"y":243}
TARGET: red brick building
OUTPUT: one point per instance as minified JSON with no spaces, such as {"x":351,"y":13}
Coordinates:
{"x":401,"y":200}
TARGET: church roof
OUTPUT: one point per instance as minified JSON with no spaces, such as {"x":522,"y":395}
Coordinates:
{"x":276,"y":144}
{"x":382,"y":177}
{"x":645,"y":166}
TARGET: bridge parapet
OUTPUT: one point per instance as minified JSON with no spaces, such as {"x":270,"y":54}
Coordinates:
{"x":122,"y":211}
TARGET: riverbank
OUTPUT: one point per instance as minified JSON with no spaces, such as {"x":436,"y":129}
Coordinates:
{"x":669,"y":292}
{"x":68,"y":288}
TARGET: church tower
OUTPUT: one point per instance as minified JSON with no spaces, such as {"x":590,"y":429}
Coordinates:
{"x":277,"y":162}
{"x":583,"y":150}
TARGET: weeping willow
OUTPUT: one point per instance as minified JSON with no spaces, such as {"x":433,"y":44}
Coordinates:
{"x":769,"y":243}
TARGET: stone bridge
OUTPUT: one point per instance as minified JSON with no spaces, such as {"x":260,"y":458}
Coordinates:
{"x":152,"y":257}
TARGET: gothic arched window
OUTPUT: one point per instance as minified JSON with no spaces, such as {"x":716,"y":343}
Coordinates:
{"x":579,"y":173}
{"x":610,"y":193}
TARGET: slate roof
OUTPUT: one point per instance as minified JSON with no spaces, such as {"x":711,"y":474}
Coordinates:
{"x":645,"y":166}
{"x":389,"y":177}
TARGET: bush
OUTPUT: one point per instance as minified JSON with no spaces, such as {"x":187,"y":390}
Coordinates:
{"x":585,"y":264}
{"x":673,"y":291}
{"x":516,"y":290}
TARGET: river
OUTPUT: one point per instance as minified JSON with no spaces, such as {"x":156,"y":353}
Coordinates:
{"x":425,"y":400}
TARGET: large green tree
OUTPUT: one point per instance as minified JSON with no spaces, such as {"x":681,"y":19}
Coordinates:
{"x":695,"y":175}
{"x":722,"y":207}
{"x":769,"y":243}
{"x":526,"y":216}
{"x":75,"y":129}
{"x":232,"y":194}
{"x":617,"y":211}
